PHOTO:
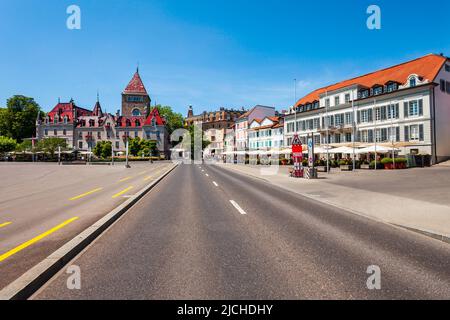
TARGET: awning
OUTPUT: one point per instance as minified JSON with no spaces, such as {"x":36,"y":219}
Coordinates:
{"x":376,"y":149}
{"x":343,"y":150}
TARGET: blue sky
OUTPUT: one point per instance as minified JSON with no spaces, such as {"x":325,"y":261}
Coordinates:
{"x":205,"y":53}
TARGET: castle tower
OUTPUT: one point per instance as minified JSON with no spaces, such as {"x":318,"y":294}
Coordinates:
{"x":135,"y":99}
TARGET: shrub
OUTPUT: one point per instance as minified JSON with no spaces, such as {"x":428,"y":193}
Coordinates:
{"x":343,"y":162}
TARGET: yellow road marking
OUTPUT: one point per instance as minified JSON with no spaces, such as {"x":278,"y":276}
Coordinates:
{"x":122,"y":192}
{"x":143,"y":172}
{"x":5,"y":224}
{"x":36,"y":239}
{"x":85,"y":194}
{"x":125,"y":179}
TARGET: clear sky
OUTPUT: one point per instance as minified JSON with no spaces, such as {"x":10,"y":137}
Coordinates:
{"x":205,"y":53}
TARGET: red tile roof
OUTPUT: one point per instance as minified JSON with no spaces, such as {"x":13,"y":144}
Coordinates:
{"x":62,"y":110}
{"x":154,"y":114}
{"x":136,"y":86}
{"x":426,"y":67}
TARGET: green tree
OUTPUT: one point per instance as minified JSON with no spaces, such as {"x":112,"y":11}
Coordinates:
{"x":18,"y":120}
{"x":103,"y":149}
{"x":148,"y":147}
{"x":134,"y":146}
{"x":51,"y":145}
{"x":106,"y":149}
{"x":7,"y":145}
{"x":174,"y":120}
{"x":26,"y":145}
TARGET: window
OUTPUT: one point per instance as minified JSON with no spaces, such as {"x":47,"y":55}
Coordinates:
{"x":412,"y":82}
{"x":347,"y":98}
{"x":337,"y":100}
{"x":117,"y":145}
{"x":366,"y":115}
{"x":80,"y":144}
{"x":65,"y":119}
{"x":339,"y":119}
{"x":447,"y":67}
{"x":136,"y":113}
{"x":327,"y":103}
{"x":55,"y":132}
{"x":364,"y":94}
{"x":64,"y":132}
{"x":348,"y":118}
{"x":391,"y":87}
{"x":413,"y":108}
{"x":55,"y":119}
{"x":448,"y":87}
{"x":393,"y":111}
{"x":414,"y":133}
{"x":316,"y":123}
{"x":137,"y":123}
{"x":442,"y":85}
{"x":99,"y":135}
{"x":377,"y":114}
{"x":348,"y":137}
{"x":91,"y":123}
{"x":135,"y":99}
{"x":377,"y":91}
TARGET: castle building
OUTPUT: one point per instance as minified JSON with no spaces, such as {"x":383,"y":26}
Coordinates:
{"x":220,"y":119}
{"x":83,"y":129}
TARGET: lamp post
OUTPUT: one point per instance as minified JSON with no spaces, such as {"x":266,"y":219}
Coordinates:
{"x":126,"y":155}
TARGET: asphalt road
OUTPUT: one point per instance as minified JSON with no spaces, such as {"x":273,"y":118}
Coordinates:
{"x":187,"y":240}
{"x":43,"y":206}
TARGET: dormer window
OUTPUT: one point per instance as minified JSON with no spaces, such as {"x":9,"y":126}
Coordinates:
{"x":447,"y":67}
{"x":66,"y":119}
{"x":412,"y":82}
{"x":128,"y":123}
{"x":377,"y":91}
{"x":55,"y":119}
{"x":91,"y":123}
{"x":391,"y":87}
{"x":153,"y":122}
{"x":137,"y":123}
{"x":363,"y":94}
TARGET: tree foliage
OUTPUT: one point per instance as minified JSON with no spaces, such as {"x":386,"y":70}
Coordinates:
{"x":103,"y":149}
{"x":18,"y":120}
{"x":7,"y":145}
{"x":137,"y":146}
{"x":174,"y":120}
{"x":51,"y":145}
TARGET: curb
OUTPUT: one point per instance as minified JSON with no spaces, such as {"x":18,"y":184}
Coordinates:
{"x":27,"y":284}
{"x":427,"y":233}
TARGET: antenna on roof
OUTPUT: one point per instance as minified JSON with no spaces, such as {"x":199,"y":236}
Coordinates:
{"x":98,"y":96}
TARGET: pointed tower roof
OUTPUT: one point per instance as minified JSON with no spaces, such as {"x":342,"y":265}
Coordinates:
{"x":136,"y":86}
{"x":97,"y":111}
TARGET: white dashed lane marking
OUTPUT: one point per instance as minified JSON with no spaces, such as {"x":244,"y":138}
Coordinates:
{"x":241,"y":211}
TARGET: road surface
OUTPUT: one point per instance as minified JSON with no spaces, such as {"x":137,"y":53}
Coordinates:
{"x":209,"y":233}
{"x":43,"y":206}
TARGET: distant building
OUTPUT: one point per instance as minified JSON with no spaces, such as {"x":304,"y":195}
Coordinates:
{"x":220,"y":119}
{"x":83,"y":128}
{"x":242,"y":124}
{"x":266,"y":134}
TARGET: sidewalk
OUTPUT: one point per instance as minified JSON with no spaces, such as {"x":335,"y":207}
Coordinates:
{"x":415,"y":199}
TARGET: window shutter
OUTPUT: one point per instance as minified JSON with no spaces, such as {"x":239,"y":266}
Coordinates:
{"x":421,"y":136}
{"x":406,"y":133}
{"x":405,"y":107}
{"x":420,"y":107}
{"x":397,"y":134}
{"x":359,"y":116}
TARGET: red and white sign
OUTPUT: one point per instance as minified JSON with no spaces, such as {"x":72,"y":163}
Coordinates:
{"x":297,"y":155}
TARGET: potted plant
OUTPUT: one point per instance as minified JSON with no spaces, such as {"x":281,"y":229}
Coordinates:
{"x":344,"y":165}
{"x":365,"y":165}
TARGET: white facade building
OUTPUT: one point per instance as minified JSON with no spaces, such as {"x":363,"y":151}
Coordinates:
{"x":266,"y":134}
{"x":406,"y":106}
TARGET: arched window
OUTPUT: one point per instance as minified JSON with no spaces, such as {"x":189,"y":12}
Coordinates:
{"x":128,"y":123}
{"x":137,"y":123}
{"x":136,"y":113}
{"x":412,"y":82}
{"x":91,"y":123}
{"x":66,"y":119}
